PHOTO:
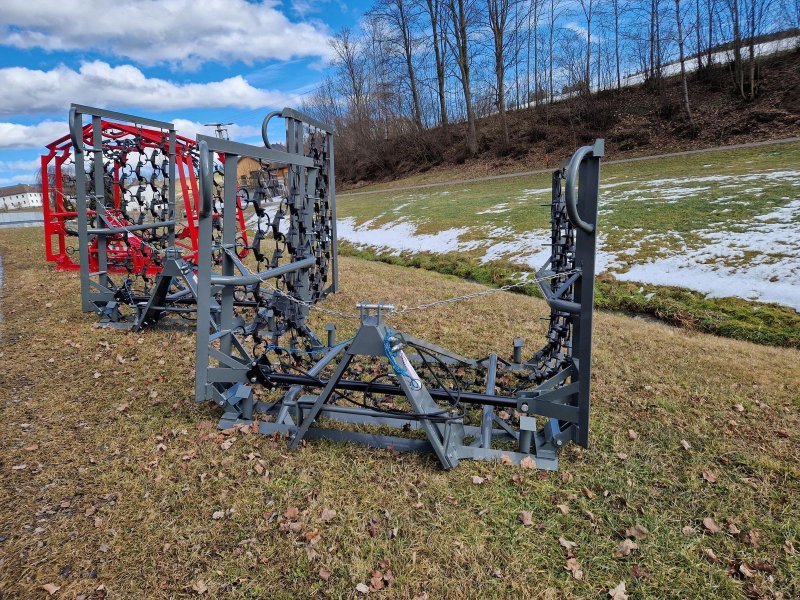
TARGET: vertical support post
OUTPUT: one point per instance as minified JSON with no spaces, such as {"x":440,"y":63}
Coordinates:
{"x":518,"y":344}
{"x":171,"y":189}
{"x":585,"y":249}
{"x":229,"y":243}
{"x":203,"y":329}
{"x":100,"y":198}
{"x":332,"y":203}
{"x":487,"y":420}
{"x":76,"y":132}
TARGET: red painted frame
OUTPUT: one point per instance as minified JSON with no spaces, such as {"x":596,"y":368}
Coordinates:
{"x":131,"y":254}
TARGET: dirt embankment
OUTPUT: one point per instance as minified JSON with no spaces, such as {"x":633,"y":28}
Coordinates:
{"x":636,"y":121}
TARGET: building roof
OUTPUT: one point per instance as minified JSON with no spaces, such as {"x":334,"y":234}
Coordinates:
{"x":20,"y":188}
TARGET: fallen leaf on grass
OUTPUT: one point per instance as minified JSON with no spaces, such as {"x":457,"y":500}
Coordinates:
{"x":31,"y":448}
{"x":328,"y":515}
{"x":526,"y":517}
{"x":563,"y":508}
{"x":753,"y":538}
{"x":51,"y":588}
{"x":376,"y":582}
{"x":200,"y":586}
{"x":637,"y":531}
{"x":123,"y":407}
{"x":711,"y":525}
{"x":527,"y":463}
{"x":566,"y":544}
{"x":789,"y":548}
{"x":632,"y":434}
{"x":710,"y":555}
{"x":625,"y":547}
{"x":709,"y":476}
{"x":738,"y":407}
{"x":587,"y":492}
{"x":324,"y":574}
{"x":686,"y":445}
{"x":687,"y":530}
{"x":362,"y":588}
{"x":745,"y":570}
{"x":292,"y":513}
{"x":421,"y":596}
{"x":619,"y":592}
{"x":574,"y":567}
{"x":477,"y":480}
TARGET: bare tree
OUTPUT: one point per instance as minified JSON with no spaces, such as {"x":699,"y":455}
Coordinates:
{"x":588,"y":7}
{"x":756,"y":9}
{"x":616,"y":11}
{"x":554,"y":14}
{"x":498,"y":17}
{"x":434,"y":8}
{"x":350,"y":61}
{"x":399,"y":16}
{"x":459,"y":45}
{"x":684,"y":83}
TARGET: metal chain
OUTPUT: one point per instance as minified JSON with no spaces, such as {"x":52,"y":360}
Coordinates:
{"x":421,"y":307}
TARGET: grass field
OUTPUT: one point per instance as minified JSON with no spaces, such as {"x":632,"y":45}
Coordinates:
{"x":113,"y":482}
{"x":723,"y":224}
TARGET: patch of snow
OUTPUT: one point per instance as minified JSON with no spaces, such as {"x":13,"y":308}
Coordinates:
{"x":403,"y":237}
{"x":761,"y":263}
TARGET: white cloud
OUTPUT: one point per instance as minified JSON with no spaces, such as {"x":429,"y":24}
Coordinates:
{"x":582,"y":32}
{"x":25,"y":91}
{"x":19,"y":165}
{"x":184,"y":32}
{"x":189,"y":128}
{"x":14,"y":135}
{"x":21,"y":178}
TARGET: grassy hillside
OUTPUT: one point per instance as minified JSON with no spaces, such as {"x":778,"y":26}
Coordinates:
{"x":717,"y":224}
{"x":113,"y":481}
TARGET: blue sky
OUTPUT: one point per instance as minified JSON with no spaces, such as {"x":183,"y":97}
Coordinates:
{"x":186,"y":61}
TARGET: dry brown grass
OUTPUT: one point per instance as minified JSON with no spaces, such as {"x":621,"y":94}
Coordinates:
{"x":121,"y":478}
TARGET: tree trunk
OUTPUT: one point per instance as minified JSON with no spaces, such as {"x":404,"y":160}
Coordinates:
{"x":683,"y":62}
{"x":552,"y":33}
{"x":497,"y":11}
{"x":698,"y":36}
{"x":616,"y":42}
{"x":709,"y":55}
{"x":408,"y":53}
{"x":458,"y":13}
{"x":433,"y":12}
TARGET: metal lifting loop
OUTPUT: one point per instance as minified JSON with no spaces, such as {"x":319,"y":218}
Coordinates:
{"x":206,"y":181}
{"x":265,"y":122}
{"x":74,"y":136}
{"x":572,"y":179}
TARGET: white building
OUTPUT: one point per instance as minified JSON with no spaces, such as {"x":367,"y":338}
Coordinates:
{"x":21,"y":195}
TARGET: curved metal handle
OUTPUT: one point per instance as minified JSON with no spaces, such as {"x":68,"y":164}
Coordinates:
{"x":206,"y":181}
{"x":74,"y":136}
{"x":571,"y":194}
{"x":265,"y":122}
